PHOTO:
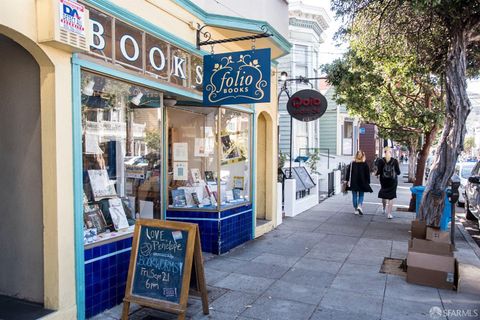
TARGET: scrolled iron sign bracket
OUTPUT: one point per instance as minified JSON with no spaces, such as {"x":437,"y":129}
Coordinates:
{"x":208,"y":36}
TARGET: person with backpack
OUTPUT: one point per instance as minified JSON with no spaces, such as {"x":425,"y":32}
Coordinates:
{"x":358,"y":181}
{"x":388,"y":171}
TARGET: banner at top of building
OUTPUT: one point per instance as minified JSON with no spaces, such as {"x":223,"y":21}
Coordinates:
{"x":236,"y":77}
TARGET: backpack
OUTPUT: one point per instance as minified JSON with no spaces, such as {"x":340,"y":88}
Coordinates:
{"x":389,"y":170}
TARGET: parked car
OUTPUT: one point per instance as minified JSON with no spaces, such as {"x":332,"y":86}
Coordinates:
{"x":464,"y":171}
{"x":472,"y":194}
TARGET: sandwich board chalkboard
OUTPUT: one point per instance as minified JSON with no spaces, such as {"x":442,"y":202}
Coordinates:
{"x":166,"y":259}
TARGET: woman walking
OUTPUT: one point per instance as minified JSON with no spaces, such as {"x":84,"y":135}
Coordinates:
{"x":358,"y":179}
{"x":388,"y":170}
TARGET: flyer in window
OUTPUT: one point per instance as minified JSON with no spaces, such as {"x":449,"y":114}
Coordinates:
{"x":92,"y":144}
{"x":238,"y":182}
{"x":200,"y":149}
{"x":117,"y":213}
{"x":180,"y":171}
{"x":101,"y":185}
{"x":196,"y":175}
{"x":180,"y":151}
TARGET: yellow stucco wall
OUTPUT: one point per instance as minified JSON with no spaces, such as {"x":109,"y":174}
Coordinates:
{"x":18,"y":21}
{"x":268,"y":171}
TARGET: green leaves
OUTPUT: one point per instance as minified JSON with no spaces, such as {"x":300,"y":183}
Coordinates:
{"x":387,"y":87}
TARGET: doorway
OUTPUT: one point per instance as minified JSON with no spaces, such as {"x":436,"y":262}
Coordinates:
{"x":261,"y":183}
{"x":21,"y":229}
{"x":264,"y":202}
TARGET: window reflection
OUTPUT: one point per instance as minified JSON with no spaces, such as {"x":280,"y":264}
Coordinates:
{"x":121,"y":127}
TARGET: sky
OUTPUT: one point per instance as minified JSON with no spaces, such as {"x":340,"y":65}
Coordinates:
{"x":328,"y":50}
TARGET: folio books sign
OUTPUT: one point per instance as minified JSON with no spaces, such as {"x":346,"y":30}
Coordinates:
{"x":236,"y":77}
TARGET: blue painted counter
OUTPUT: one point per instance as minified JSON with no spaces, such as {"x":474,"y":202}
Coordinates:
{"x":220,"y":231}
{"x":106,"y":270}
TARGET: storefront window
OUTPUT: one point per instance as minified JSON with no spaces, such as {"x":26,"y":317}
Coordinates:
{"x":205,"y":170}
{"x":235,"y":162}
{"x":121,"y":129}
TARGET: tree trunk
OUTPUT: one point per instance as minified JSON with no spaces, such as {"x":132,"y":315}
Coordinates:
{"x":412,"y":159}
{"x":423,"y":156}
{"x":421,"y":162}
{"x":451,"y":143}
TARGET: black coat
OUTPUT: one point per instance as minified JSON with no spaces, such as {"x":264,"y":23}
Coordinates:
{"x":360,"y":177}
{"x":388,"y":188}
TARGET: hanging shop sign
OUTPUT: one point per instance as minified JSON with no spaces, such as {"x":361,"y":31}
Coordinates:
{"x":307,"y":105}
{"x":237,"y":77}
{"x":117,"y":42}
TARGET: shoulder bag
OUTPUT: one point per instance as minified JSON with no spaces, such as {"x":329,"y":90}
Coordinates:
{"x":346,"y":184}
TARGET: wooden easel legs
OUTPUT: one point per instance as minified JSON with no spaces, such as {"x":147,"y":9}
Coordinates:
{"x":125,"y":310}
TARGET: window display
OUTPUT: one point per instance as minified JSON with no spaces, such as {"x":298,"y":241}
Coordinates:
{"x":235,"y":161}
{"x":121,"y":128}
{"x":208,"y":157}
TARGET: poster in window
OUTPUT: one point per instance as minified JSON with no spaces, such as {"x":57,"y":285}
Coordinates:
{"x":178,"y":198}
{"x":92,"y":144}
{"x":196,"y":175}
{"x":93,"y":218}
{"x":117,"y":213}
{"x":238,"y":182}
{"x":180,"y":151}
{"x":237,"y":194}
{"x":209,"y":176}
{"x":101,"y":185}
{"x":180,"y":171}
{"x":200,"y":149}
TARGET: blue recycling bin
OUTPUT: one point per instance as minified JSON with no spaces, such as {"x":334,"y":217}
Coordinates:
{"x":446,"y":215}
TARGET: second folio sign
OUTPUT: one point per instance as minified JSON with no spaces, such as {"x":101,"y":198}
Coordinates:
{"x":307,"y":105}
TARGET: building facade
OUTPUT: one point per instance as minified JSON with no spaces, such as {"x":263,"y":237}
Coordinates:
{"x":306,"y":26}
{"x":104,"y":114}
{"x":339,"y":131}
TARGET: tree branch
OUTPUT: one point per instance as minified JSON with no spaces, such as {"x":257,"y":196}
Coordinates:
{"x":404,"y":129}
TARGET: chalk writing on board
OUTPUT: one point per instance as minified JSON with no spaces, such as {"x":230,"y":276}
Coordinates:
{"x":160,"y":263}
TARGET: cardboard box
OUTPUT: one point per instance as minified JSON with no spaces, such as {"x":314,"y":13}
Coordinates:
{"x":468,"y":279}
{"x":430,"y":247}
{"x":431,"y":270}
{"x":434,"y":234}
{"x":418,"y":229}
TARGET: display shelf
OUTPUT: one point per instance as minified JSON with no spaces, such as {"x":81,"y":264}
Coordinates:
{"x":109,"y":237}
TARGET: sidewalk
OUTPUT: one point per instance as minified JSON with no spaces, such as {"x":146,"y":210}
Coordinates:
{"x":324,"y":264}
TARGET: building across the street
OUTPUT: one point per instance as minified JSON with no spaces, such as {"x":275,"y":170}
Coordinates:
{"x":103,"y":122}
{"x":307,"y":24}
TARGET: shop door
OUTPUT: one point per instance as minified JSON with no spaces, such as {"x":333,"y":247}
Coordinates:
{"x":21,"y":214}
{"x":261,"y":183}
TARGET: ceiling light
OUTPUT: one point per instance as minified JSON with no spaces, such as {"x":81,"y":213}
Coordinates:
{"x":169,"y":101}
{"x":88,"y":90}
{"x":136,"y":100}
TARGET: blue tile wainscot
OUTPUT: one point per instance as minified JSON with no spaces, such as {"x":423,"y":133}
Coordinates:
{"x":106,"y":270}
{"x":220,"y":231}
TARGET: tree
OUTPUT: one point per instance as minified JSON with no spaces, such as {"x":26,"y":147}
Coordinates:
{"x":445,"y":36}
{"x":387,"y":87}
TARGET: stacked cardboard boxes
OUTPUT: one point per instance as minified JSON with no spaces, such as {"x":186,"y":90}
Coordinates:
{"x":430,"y":259}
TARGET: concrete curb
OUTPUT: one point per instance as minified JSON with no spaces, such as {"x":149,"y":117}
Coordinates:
{"x":468,"y":238}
